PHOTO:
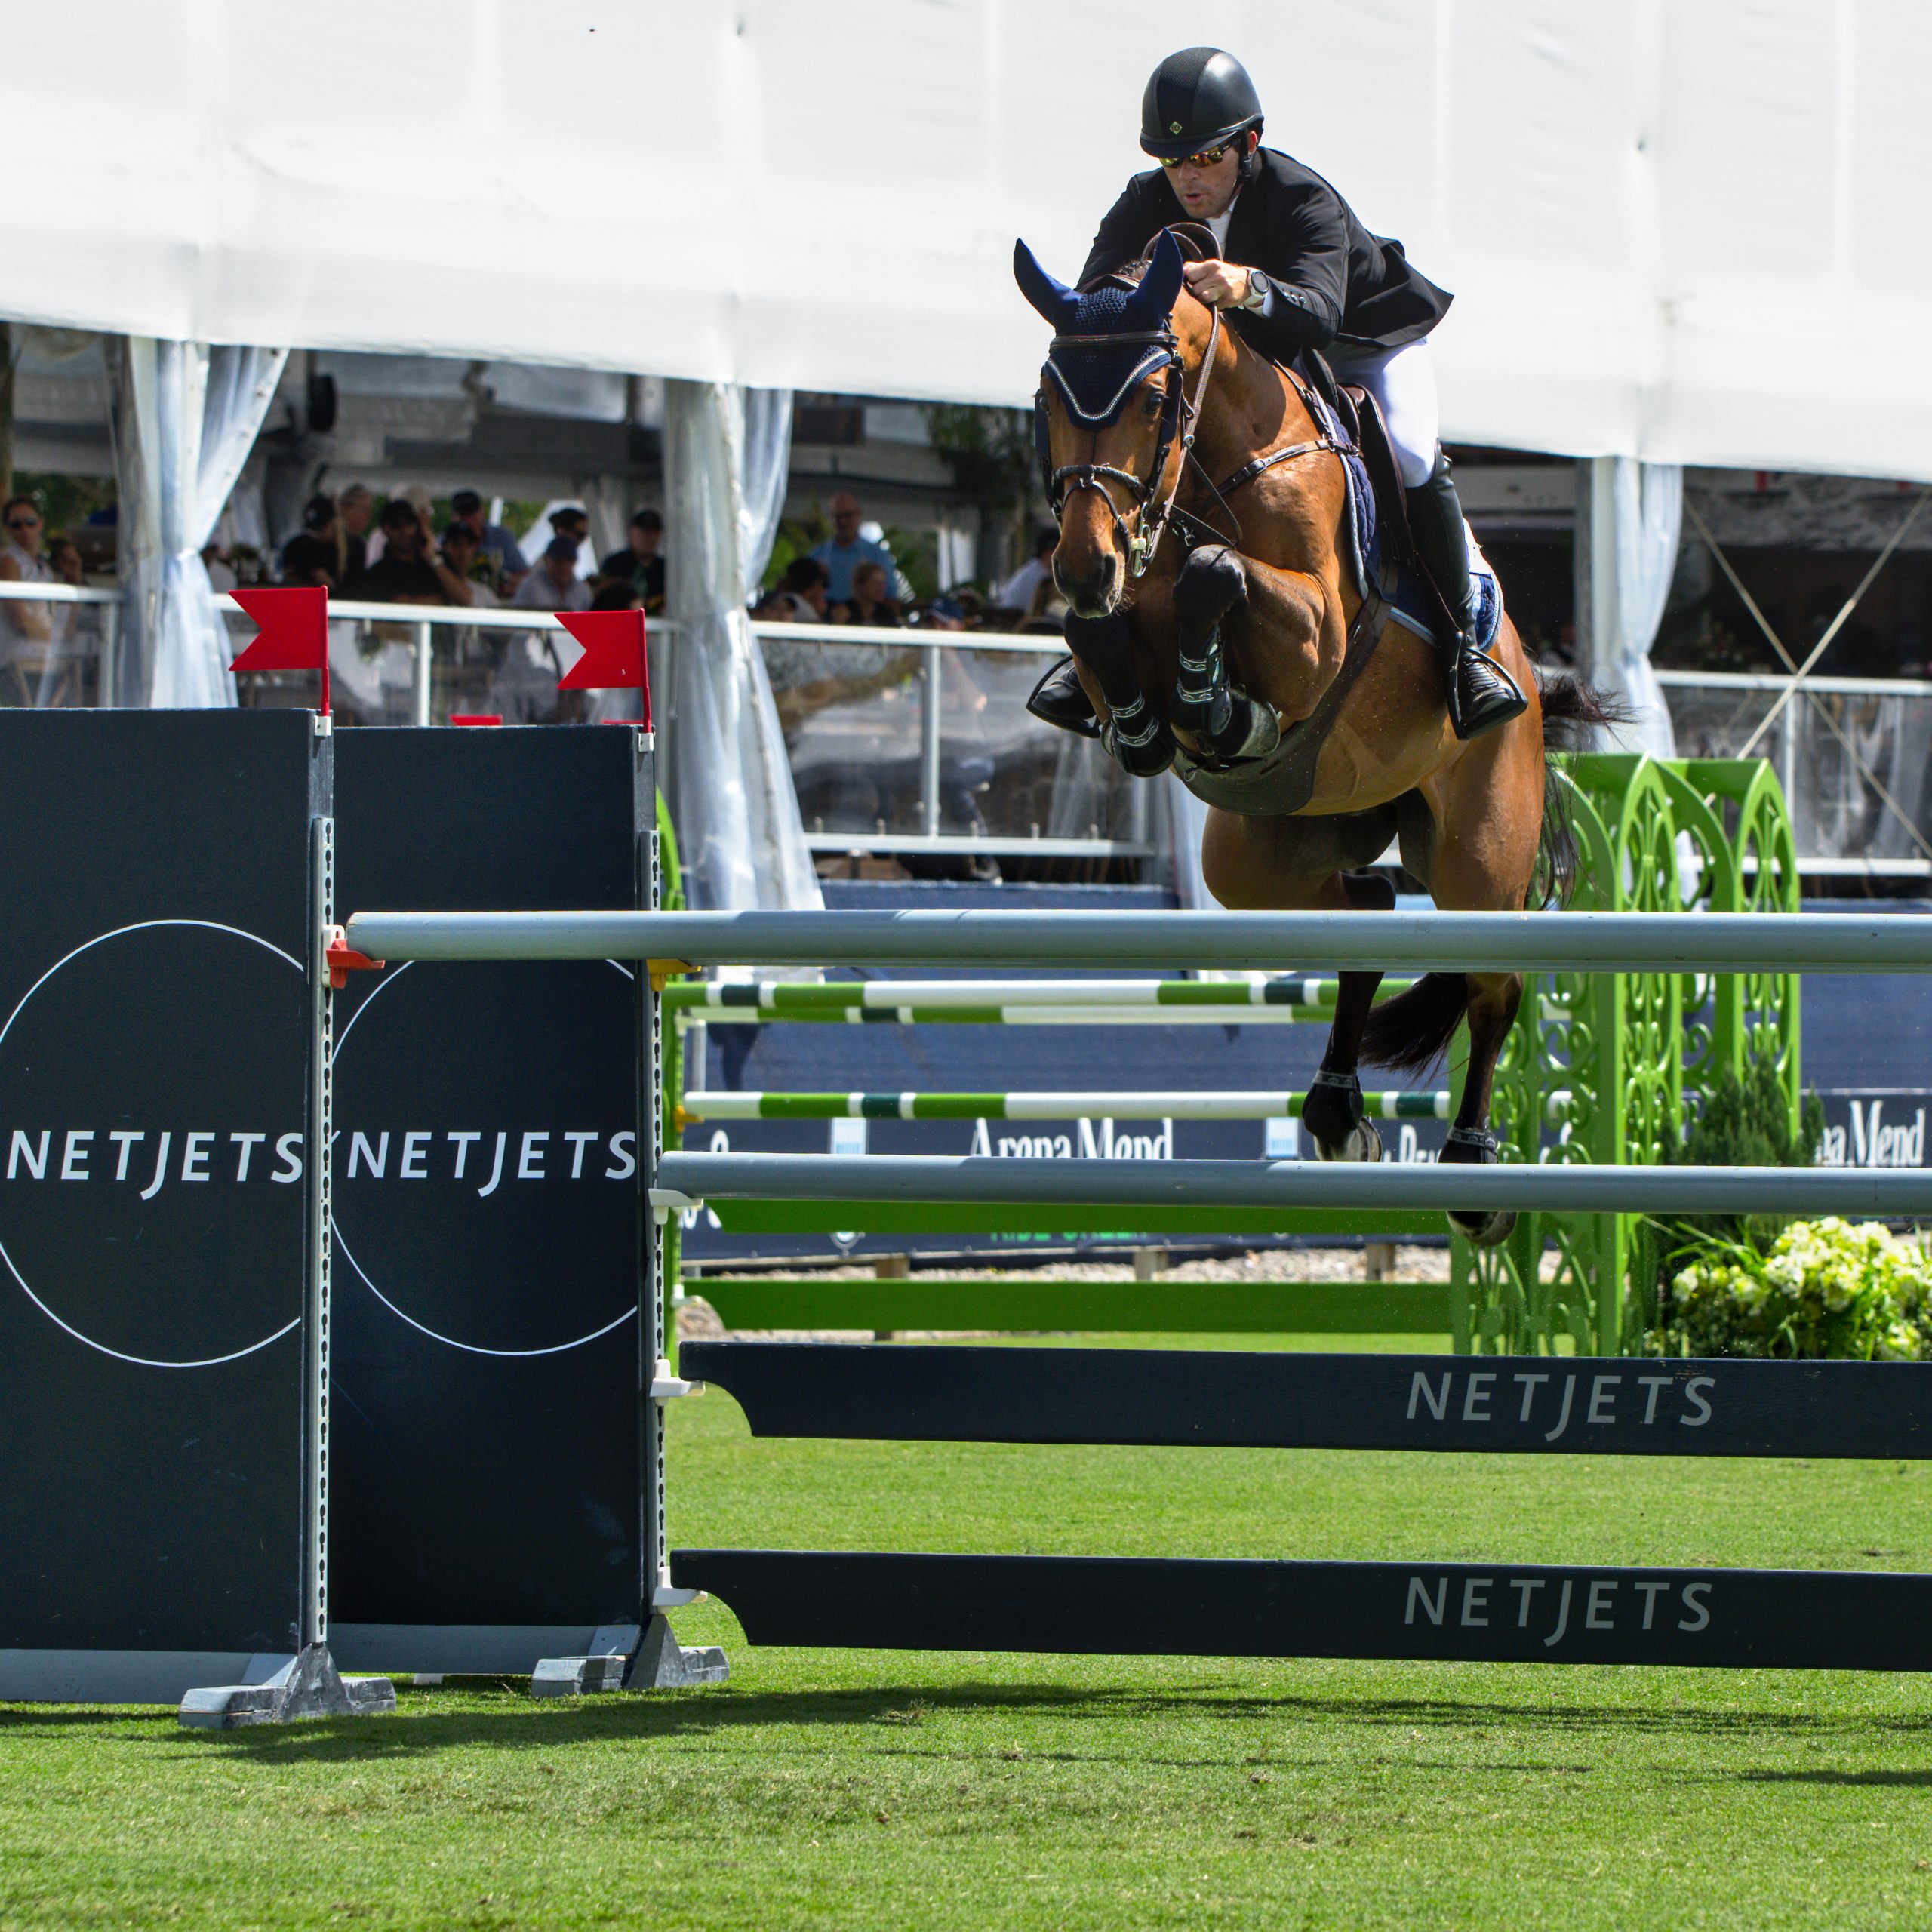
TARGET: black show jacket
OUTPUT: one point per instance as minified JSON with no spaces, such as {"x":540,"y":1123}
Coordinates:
{"x":1334,"y":281}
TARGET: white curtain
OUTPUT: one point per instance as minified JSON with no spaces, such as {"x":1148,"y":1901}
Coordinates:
{"x":1647,"y":512}
{"x":727,"y":451}
{"x":185,"y":416}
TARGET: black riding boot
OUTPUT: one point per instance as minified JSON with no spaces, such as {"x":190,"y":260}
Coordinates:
{"x":1059,"y":698}
{"x":1482,"y":695}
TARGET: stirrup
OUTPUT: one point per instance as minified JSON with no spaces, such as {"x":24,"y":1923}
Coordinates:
{"x":1482,"y":694}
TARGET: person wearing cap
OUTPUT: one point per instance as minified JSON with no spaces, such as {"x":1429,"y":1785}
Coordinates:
{"x":492,"y":540}
{"x":642,"y":561}
{"x":1294,"y":269}
{"x":554,"y":585}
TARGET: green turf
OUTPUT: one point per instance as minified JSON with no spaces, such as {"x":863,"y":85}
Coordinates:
{"x":887,"y":1790}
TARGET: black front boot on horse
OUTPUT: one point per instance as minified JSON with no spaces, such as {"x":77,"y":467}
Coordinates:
{"x":1224,"y":720}
{"x":1482,"y":695}
{"x":1135,"y":735}
{"x":1336,"y":1120}
{"x":1060,"y":700}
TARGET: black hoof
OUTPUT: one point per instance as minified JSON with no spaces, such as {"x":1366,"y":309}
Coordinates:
{"x":1060,"y":700}
{"x":1475,"y":1147}
{"x":1332,"y":1112}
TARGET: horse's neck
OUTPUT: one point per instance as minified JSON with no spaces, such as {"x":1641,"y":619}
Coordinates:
{"x":1251,"y":406}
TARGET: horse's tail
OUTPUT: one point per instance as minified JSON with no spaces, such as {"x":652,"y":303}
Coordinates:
{"x":1411,"y":1033}
{"x":1572,"y":710}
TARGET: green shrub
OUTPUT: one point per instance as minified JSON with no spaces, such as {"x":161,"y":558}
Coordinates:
{"x":1820,"y":1288}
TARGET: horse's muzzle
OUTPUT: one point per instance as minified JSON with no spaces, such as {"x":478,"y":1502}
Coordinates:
{"x":1093,"y":590}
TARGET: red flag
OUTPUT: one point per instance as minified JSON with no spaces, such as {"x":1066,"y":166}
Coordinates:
{"x":614,"y":654}
{"x":294,"y":634}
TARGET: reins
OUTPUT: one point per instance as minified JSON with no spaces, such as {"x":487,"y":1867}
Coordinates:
{"x":1141,"y":540}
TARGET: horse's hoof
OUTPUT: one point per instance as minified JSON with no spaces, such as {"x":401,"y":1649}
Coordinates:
{"x":1487,"y":1230}
{"x":1361,"y":1142}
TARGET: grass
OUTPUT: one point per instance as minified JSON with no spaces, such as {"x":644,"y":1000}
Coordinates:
{"x":892,"y":1790}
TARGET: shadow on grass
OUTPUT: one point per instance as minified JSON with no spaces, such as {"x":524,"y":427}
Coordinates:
{"x":421,"y":1729}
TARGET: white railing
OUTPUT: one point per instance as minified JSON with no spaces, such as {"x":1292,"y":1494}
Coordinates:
{"x":1846,"y":826}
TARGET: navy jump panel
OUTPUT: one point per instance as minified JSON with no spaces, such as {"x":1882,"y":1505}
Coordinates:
{"x":1615,"y":1405}
{"x":1492,"y":1613}
{"x":488,"y":1237}
{"x":158,"y":999}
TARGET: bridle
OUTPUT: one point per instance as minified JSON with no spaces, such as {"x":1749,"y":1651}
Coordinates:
{"x":1138,"y":538}
{"x":1140,"y":535}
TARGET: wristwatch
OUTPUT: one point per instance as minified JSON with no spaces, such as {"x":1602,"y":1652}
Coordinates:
{"x":1258,"y":289}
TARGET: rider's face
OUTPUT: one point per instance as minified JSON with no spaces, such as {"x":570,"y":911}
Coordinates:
{"x":1205,"y":192}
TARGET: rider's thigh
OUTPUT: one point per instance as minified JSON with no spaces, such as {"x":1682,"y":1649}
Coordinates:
{"x":1403,"y":383}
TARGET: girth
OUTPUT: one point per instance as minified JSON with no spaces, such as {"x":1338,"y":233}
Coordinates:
{"x":1283,"y":782}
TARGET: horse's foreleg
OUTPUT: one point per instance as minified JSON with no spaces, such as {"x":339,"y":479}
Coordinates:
{"x":1134,"y":733}
{"x":1223,"y":718}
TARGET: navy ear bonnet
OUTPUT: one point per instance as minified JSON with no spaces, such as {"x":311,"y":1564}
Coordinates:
{"x":1107,"y":341}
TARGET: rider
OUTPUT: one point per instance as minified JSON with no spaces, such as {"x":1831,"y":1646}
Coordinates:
{"x":1296,"y":270}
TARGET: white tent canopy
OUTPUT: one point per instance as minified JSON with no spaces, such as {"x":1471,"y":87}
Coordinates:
{"x":1692,"y":233}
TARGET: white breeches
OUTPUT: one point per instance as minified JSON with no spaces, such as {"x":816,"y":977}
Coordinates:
{"x":1403,"y":383}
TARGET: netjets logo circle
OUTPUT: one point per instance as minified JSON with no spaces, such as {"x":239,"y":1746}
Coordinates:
{"x":484,"y":1163}
{"x":151,"y":1101}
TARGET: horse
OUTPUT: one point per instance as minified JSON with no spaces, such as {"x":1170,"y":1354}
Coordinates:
{"x":1217,"y":627}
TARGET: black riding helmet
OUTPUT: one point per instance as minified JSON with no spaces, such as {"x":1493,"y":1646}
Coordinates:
{"x":1197,"y":99}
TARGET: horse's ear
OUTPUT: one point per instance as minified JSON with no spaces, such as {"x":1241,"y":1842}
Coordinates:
{"x":1152,"y":302}
{"x":1055,"y":300}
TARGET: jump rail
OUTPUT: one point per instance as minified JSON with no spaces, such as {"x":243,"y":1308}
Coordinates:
{"x":1452,"y":942}
{"x":1898,"y":1193}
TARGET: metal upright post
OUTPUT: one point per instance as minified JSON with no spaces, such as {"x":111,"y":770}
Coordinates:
{"x":930,"y":680}
{"x":425,"y":660}
{"x":107,"y":672}
{"x":659,"y":1662}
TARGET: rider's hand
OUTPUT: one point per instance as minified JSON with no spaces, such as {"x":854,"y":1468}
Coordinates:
{"x":1221,"y":284}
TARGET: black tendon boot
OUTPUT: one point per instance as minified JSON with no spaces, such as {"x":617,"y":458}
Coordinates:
{"x":1059,"y":699}
{"x":1482,"y":695}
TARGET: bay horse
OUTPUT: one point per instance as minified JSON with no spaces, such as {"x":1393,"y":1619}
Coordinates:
{"x":1216,"y":626}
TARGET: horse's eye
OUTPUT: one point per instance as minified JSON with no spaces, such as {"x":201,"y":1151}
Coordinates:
{"x":1150,"y":405}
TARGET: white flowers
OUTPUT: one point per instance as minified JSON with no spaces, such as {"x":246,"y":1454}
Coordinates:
{"x":1828,"y":1287}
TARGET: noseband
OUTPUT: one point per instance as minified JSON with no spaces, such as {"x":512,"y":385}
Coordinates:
{"x":1140,"y":537}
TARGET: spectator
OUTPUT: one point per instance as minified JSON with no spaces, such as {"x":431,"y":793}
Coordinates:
{"x":1025,"y":590}
{"x":868,"y":604}
{"x":64,"y":554}
{"x":496,"y":545}
{"x":845,"y":549}
{"x":801,"y":595}
{"x":352,"y":531}
{"x":572,"y":520}
{"x":619,"y":596}
{"x":420,"y":500}
{"x":405,"y":573}
{"x":25,"y":628}
{"x":310,"y":557}
{"x":641,"y":561}
{"x":554,"y":585}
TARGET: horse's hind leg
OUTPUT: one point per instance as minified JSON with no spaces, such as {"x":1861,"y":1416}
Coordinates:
{"x":1223,"y":718}
{"x":1333,"y":1110}
{"x":1493,"y":999}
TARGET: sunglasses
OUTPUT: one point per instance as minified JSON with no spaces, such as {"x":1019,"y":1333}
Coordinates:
{"x":24,"y":523}
{"x":1206,"y":157}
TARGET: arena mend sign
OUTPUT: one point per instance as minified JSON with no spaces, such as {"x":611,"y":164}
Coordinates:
{"x":158,"y":997}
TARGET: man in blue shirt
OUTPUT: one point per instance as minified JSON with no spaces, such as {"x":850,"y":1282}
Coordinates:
{"x":846,"y":549}
{"x":492,"y":539}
